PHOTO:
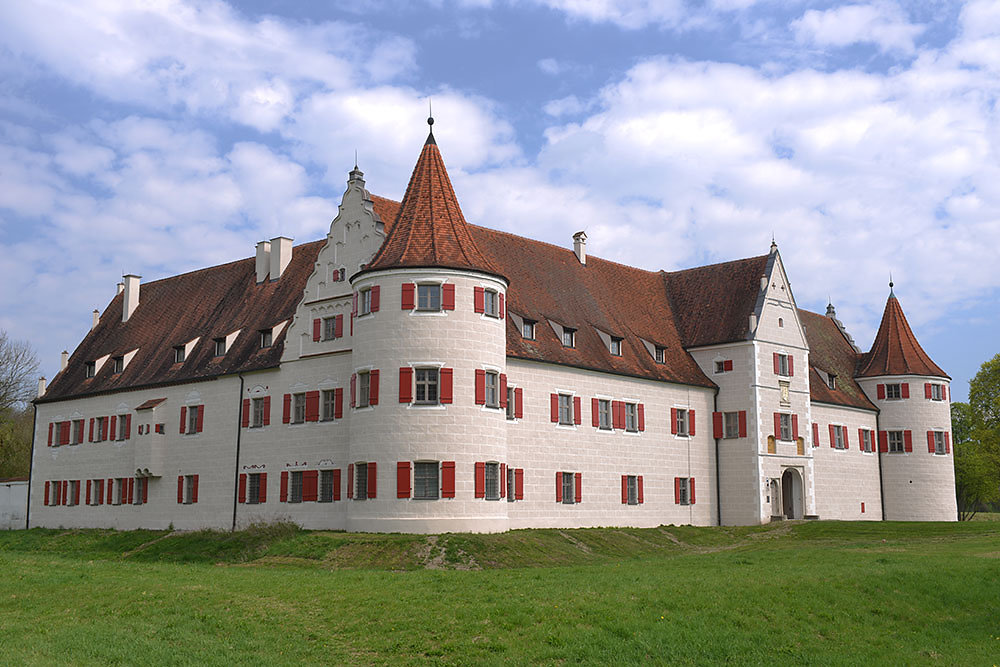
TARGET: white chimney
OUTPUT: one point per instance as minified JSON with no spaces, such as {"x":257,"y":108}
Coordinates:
{"x":763,"y":283}
{"x":41,"y":386}
{"x":263,"y":260}
{"x":63,"y":360}
{"x":96,"y":320}
{"x":131,"y":297}
{"x":580,"y":246}
{"x":281,"y":255}
{"x":120,"y":288}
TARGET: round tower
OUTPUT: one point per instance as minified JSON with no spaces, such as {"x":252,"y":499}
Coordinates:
{"x":428,"y":418}
{"x":913,"y":396}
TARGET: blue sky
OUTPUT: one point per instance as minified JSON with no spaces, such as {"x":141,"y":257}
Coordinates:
{"x":165,"y":136}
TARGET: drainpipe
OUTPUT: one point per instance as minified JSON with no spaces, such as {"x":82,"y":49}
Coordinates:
{"x":718,"y":482}
{"x":31,"y":466}
{"x":881,"y":485}
{"x":239,"y":432}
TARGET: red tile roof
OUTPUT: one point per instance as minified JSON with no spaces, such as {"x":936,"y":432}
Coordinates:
{"x":429,"y":229}
{"x":896,"y":350}
{"x":831,"y":352}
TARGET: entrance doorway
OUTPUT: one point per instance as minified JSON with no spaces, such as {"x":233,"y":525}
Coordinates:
{"x":791,"y":493}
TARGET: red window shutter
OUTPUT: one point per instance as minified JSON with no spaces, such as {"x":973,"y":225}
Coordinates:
{"x":777,"y":426}
{"x":65,"y":490}
{"x":352,"y":322}
{"x":180,"y":489}
{"x":267,"y":411}
{"x":500,"y":306}
{"x":372,"y":479}
{"x":310,"y":486}
{"x":338,"y":403}
{"x":99,"y":491}
{"x":944,"y":392}
{"x":283,"y":497}
{"x":373,"y":387}
{"x":717,"y":424}
{"x":76,"y":495}
{"x":908,"y":440}
{"x":927,"y":390}
{"x":447,"y":385}
{"x":791,"y":366}
{"x":402,"y":479}
{"x":479,"y":302}
{"x":503,"y":391}
{"x":518,"y":403}
{"x":673,"y":420}
{"x":480,"y":479}
{"x":128,"y":424}
{"x":947,"y":442}
{"x":338,"y":326}
{"x":336,"y":484}
{"x":243,"y":488}
{"x":577,"y":411}
{"x":795,"y":427}
{"x":350,"y":480}
{"x":245,"y":421}
{"x":883,"y":441}
{"x":815,"y":442}
{"x":639,"y":484}
{"x":111,"y":490}
{"x":312,"y":406}
{"x":743,"y":423}
{"x":519,"y":484}
{"x":930,"y":442}
{"x":51,"y":425}
{"x":616,"y":414}
{"x":677,"y":490}
{"x":113,"y":430}
{"x":194,"y":490}
{"x":558,"y":487}
{"x":624,"y":489}
{"x":578,"y":488}
{"x":777,"y":364}
{"x":480,"y":386}
{"x":447,"y":479}
{"x":88,"y":490}
{"x":833,"y":438}
{"x":727,"y":365}
{"x":375,"y":298}
{"x":861,"y":439}
{"x":554,"y":407}
{"x":90,"y":437}
{"x":407,"y":302}
{"x":317,"y":329}
{"x":145,"y":492}
{"x":595,"y":417}
{"x":690,"y":422}
{"x":354,"y":385}
{"x":844,"y":431}
{"x":184,"y":412}
{"x":448,"y":296}
{"x":904,"y":389}
{"x":503,"y":480}
{"x":286,"y":408}
{"x":880,"y":391}
{"x":642,"y":417}
{"x":104,"y":429}
{"x":405,"y":384}
{"x":691,"y":485}
{"x":48,"y":487}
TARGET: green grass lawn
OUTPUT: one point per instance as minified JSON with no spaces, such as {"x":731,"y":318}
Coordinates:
{"x":818,"y":593}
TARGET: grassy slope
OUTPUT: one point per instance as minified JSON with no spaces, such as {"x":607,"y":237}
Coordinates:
{"x":816,"y":592}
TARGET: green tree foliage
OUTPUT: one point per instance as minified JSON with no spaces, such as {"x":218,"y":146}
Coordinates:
{"x":15,"y":443}
{"x":18,"y":378}
{"x":976,"y":432}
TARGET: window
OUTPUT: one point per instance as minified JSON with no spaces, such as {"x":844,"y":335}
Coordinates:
{"x":329,"y":328}
{"x":838,"y":437}
{"x":658,"y":354}
{"x":720,"y":366}
{"x":568,"y":496}
{"x":490,"y":303}
{"x":96,"y":491}
{"x":429,"y":297}
{"x":632,"y":417}
{"x":258,"y":412}
{"x":360,"y":481}
{"x":565,"y":409}
{"x":867,"y":442}
{"x":785,"y":422}
{"x":604,"y":414}
{"x":100,"y":429}
{"x":122,"y":427}
{"x":117,"y":365}
{"x":296,"y":495}
{"x":893,"y":391}
{"x":90,"y":369}
{"x":74,"y":492}
{"x":632,"y":489}
{"x":511,"y":405}
{"x":298,"y":408}
{"x":425,"y":480}
{"x":426,"y":386}
{"x":731,"y":424}
{"x":77,"y":432}
{"x":178,"y":354}
{"x":831,"y":380}
{"x":939,"y":447}
{"x":783,"y":365}
{"x":326,"y":486}
{"x":682,"y":422}
{"x":140,"y":490}
{"x":936,"y":393}
{"x":492,"y":389}
{"x":528,"y":330}
{"x":266,"y":338}
{"x":616,"y":346}
{"x":895,"y":441}
{"x":190,"y":489}
{"x":364,"y":385}
{"x":365,"y":301}
{"x":329,"y":405}
{"x":683,"y":490}
{"x":220,"y":346}
{"x":492,"y":481}
{"x":511,"y":483}
{"x":569,"y":337}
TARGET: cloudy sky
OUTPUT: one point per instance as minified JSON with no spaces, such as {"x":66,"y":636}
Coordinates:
{"x":162,"y":136}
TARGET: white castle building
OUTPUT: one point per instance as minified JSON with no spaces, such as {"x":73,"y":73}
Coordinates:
{"x":412,"y":372}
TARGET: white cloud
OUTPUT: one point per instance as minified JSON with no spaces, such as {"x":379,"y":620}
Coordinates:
{"x":883,"y":24}
{"x":629,"y":14}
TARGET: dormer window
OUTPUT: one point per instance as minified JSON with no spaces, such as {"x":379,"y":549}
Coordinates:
{"x":117,"y":365}
{"x":220,"y":346}
{"x":266,"y":338}
{"x":179,"y":354}
{"x":528,"y":330}
{"x":568,"y":337}
{"x":658,"y":355}
{"x":831,"y":381}
{"x":616,"y":346}
{"x":429,"y":297}
{"x":90,"y":369}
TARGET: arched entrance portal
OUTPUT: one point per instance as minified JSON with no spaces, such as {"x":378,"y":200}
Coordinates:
{"x":791,"y":493}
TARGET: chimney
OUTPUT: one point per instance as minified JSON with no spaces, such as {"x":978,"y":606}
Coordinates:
{"x":41,"y":386}
{"x":263,"y":260}
{"x":63,"y":360}
{"x":96,"y":320}
{"x":580,"y":246}
{"x":131,"y":298}
{"x":763,"y":283}
{"x":281,"y":255}
{"x":120,"y":288}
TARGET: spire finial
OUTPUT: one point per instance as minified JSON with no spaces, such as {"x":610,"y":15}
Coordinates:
{"x":430,"y":115}
{"x":891,"y":293}
{"x":355,"y":158}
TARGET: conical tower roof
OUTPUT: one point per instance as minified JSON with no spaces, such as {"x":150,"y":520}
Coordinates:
{"x":430,"y":230}
{"x":896,"y":350}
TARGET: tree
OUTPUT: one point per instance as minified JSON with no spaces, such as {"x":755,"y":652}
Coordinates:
{"x":984,"y":395}
{"x":18,"y":373}
{"x":976,"y":432}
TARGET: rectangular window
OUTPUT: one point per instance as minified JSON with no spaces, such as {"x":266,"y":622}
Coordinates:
{"x":569,"y":337}
{"x":329,"y":408}
{"x":528,"y":330}
{"x":96,"y":491}
{"x":786,"y":427}
{"x":426,"y":386}
{"x":604,"y":414}
{"x":682,"y":421}
{"x":121,"y":426}
{"x":188,"y":489}
{"x":298,"y":408}
{"x":360,"y":481}
{"x":616,"y":346}
{"x":658,"y":354}
{"x":492,"y":481}
{"x":720,"y":366}
{"x":253,"y":488}
{"x":939,"y":442}
{"x":77,"y":431}
{"x":220,"y":346}
{"x":296,"y":495}
{"x":632,"y":489}
{"x":566,"y":409}
{"x":329,"y":328}
{"x":936,"y":392}
{"x":258,"y":412}
{"x":425,"y":480}
{"x":178,"y":354}
{"x":192,"y":419}
{"x":326,"y":486}
{"x":831,"y":381}
{"x":568,"y":496}
{"x":429,"y":297}
{"x":632,"y":417}
{"x":895,"y":440}
{"x":893,"y":391}
{"x":511,"y":483}
{"x":365,"y":301}
{"x":100,"y":428}
{"x":266,"y":338}
{"x":490,"y":303}
{"x":492,"y":389}
{"x":117,"y":365}
{"x":867,"y":442}
{"x":90,"y":369}
{"x":731,"y":424}
{"x":364,"y":384}
{"x":684,"y":490}
{"x":511,"y":407}
{"x":783,"y":365}
{"x":74,"y":489}
{"x":139,"y":491}
{"x":838,"y":437}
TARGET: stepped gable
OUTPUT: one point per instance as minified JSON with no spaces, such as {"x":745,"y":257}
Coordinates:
{"x":208,"y":303}
{"x":548,"y":283}
{"x":713,"y":303}
{"x":831,"y":352}
{"x":896,"y":350}
{"x":430,"y":230}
